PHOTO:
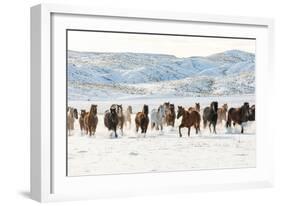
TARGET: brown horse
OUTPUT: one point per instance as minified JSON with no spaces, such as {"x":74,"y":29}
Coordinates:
{"x":142,"y":119}
{"x":82,"y":120}
{"x":128,"y":113}
{"x":171,"y":115}
{"x":222,"y":113}
{"x":189,"y":119}
{"x":238,"y":115}
{"x":196,"y":108}
{"x":91,"y":120}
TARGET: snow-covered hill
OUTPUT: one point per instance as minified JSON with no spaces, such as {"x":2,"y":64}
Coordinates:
{"x":93,"y":75}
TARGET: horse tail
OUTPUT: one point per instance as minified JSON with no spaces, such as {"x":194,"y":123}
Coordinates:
{"x":204,"y":123}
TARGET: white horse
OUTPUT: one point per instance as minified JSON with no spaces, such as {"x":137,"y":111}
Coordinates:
{"x":156,"y":117}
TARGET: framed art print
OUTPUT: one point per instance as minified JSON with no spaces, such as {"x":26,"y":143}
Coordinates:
{"x":133,"y":103}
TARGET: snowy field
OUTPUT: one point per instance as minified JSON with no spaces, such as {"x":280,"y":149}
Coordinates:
{"x":160,"y":151}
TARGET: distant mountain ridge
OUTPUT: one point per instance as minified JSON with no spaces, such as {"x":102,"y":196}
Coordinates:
{"x":226,"y":73}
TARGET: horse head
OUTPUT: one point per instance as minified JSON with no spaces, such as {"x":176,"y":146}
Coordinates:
{"x":82,"y":113}
{"x":75,"y":113}
{"x":145,"y":109}
{"x":180,"y":111}
{"x":197,"y":107}
{"x":161,"y":111}
{"x":129,"y":109}
{"x":113,"y":110}
{"x":225,"y":107}
{"x":119,"y":109}
{"x":214,"y":106}
{"x":245,"y":112}
{"x":93,"y":109}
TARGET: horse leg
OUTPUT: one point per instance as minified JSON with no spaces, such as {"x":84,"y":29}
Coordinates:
{"x":242,"y":129}
{"x":115,"y":131}
{"x":89,"y":132}
{"x":137,"y":128}
{"x":180,"y":130}
{"x":145,"y":129}
{"x":214,"y":127}
{"x":210,"y":127}
{"x":188,"y":131}
{"x":121,"y":127}
{"x":94,"y":130}
{"x":196,"y":129}
{"x":161,"y":126}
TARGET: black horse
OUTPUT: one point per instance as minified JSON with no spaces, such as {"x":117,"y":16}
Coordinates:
{"x":210,"y":114}
{"x":111,"y":119}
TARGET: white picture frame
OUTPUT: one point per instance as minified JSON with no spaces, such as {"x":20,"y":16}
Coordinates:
{"x":48,"y":180}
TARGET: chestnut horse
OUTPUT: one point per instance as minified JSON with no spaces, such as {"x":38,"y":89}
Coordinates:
{"x":196,"y":108}
{"x":142,"y":119}
{"x":111,"y":119}
{"x":189,"y":119}
{"x":222,"y":113}
{"x":210,"y":114}
{"x":171,"y":115}
{"x":91,"y":120}
{"x":81,"y":120}
{"x":238,"y":115}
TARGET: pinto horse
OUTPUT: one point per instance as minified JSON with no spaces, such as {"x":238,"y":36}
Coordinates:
{"x":238,"y":115}
{"x":189,"y":119}
{"x":91,"y":120}
{"x":142,"y":119}
{"x":210,"y":114}
{"x":111,"y":119}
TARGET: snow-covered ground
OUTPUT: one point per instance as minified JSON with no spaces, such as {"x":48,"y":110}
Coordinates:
{"x":160,"y":151}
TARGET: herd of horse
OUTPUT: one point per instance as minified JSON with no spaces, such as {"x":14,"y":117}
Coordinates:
{"x":115,"y":118}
